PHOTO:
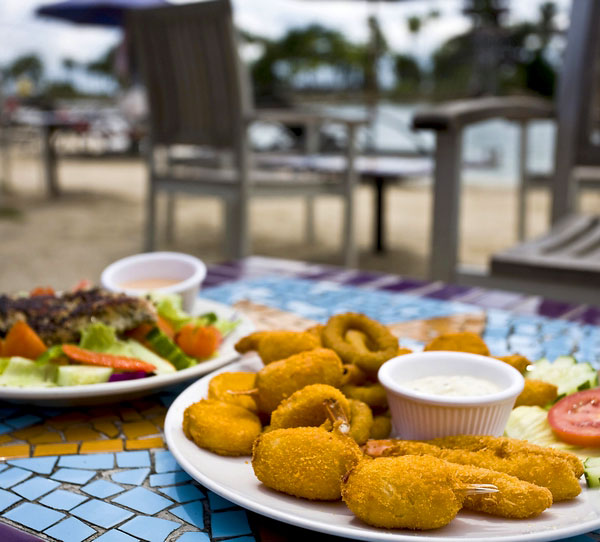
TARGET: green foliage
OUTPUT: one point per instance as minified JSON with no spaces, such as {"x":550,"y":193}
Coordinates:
{"x":29,"y":65}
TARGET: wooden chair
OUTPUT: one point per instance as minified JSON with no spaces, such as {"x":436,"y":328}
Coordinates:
{"x":564,"y":263}
{"x":199,"y":96}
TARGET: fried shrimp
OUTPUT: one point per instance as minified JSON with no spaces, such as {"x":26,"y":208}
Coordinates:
{"x":307,"y":462}
{"x":361,"y":421}
{"x":221,"y":387}
{"x":537,"y":393}
{"x":462,"y":341}
{"x":353,"y":375}
{"x":275,"y":345}
{"x":280,"y":379}
{"x":403,"y":492}
{"x":381,"y":428}
{"x":505,"y":447}
{"x":551,"y":472}
{"x":222,"y":428}
{"x":379,"y":346}
{"x":519,"y":362}
{"x":306,"y":407}
{"x":316,"y":331}
{"x":373,"y":394}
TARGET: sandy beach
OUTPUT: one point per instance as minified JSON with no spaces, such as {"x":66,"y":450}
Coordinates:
{"x":100,"y":216}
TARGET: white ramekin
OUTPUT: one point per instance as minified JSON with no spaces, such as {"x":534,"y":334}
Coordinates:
{"x":151,"y":265}
{"x":423,"y":416}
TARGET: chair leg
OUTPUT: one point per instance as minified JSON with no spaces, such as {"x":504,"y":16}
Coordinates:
{"x":237,"y":236}
{"x":310,"y":220}
{"x":150,"y":238}
{"x":170,"y":218}
{"x":350,"y":251}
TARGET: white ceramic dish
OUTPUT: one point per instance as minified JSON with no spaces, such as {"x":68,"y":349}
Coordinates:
{"x":418,"y":415}
{"x":130,"y":389}
{"x":188,"y":270}
{"x":233,"y":479}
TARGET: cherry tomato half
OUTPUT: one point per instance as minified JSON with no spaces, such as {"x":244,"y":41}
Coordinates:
{"x":576,"y":418}
{"x":198,"y":341}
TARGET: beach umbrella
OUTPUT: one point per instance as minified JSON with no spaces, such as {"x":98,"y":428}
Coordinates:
{"x":95,"y":12}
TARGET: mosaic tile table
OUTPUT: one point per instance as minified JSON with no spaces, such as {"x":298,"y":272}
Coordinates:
{"x":104,"y":474}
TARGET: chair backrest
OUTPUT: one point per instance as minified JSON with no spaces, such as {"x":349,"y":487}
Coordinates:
{"x":187,"y":56}
{"x":577,"y":140}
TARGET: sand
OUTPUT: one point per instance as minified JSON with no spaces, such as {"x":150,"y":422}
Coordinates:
{"x":100,"y":216}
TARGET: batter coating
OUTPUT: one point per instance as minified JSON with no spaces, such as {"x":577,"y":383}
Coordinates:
{"x":462,"y":341}
{"x":221,"y":386}
{"x":519,"y":362}
{"x":307,"y":462}
{"x":222,"y":428}
{"x":361,"y":421}
{"x":373,"y":394}
{"x":275,"y":345}
{"x":537,"y":393}
{"x":381,"y":428}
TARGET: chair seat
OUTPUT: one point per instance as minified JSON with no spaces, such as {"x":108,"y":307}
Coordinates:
{"x":570,"y":252}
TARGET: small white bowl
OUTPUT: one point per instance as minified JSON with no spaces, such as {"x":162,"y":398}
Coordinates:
{"x":188,"y":270}
{"x":422,"y":416}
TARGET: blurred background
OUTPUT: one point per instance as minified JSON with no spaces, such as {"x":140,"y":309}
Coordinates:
{"x":385,"y":59}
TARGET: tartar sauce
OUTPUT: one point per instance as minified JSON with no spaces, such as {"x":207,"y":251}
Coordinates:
{"x":453,"y":386}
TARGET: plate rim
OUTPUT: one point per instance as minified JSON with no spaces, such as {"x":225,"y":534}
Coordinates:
{"x":173,"y":425}
{"x":156,"y":382}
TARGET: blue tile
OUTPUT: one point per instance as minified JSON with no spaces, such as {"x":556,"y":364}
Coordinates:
{"x":23,"y":421}
{"x":70,"y":530}
{"x":88,"y":461}
{"x":102,"y":489}
{"x":35,"y":487}
{"x":194,"y":537}
{"x":216,"y":502}
{"x":229,"y":524}
{"x":184,"y":493}
{"x":41,"y":465}
{"x":3,"y":466}
{"x":101,"y":513}
{"x":151,"y":529}
{"x":7,"y":499}
{"x":165,"y":462}
{"x":169,"y":478}
{"x":243,"y":539}
{"x":115,"y":536}
{"x":133,"y":477}
{"x":5,"y":412}
{"x":143,"y":500}
{"x":63,"y":500}
{"x":13,"y":476}
{"x":192,"y":512}
{"x":73,"y":476}
{"x":5,"y":428}
{"x":34,"y":516}
{"x":133,"y":459}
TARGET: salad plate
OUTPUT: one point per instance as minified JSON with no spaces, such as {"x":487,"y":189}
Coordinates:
{"x":233,"y":479}
{"x":131,"y":389}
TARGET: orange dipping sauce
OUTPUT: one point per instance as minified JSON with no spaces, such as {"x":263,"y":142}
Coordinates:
{"x":149,"y":284}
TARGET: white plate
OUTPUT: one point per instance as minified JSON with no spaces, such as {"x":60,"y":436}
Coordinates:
{"x":233,"y":479}
{"x":129,"y":389}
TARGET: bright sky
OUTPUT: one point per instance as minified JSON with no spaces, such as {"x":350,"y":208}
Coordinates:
{"x":22,"y":32}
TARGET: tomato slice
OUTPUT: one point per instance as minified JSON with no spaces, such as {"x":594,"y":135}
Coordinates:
{"x":575,"y":419}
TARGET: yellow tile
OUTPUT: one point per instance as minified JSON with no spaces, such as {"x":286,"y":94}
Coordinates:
{"x":56,"y":449}
{"x":66,"y":420}
{"x":4,"y":439}
{"x":106,"y":427}
{"x":139,"y":429}
{"x":159,"y":421}
{"x":154,"y":410}
{"x":114,"y":445}
{"x":129,"y":414}
{"x":145,"y":443}
{"x":28,"y":432}
{"x":101,"y":412}
{"x":49,"y":437}
{"x":80,"y":433}
{"x":106,"y":418}
{"x":10,"y":452}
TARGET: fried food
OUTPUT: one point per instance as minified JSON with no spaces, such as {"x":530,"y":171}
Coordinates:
{"x":462,"y":341}
{"x":537,"y":393}
{"x":403,"y":492}
{"x":221,"y":387}
{"x":373,"y":394}
{"x":515,"y":499}
{"x":380,"y":343}
{"x":280,"y":379}
{"x":504,"y":447}
{"x":551,"y":472}
{"x":306,"y":407}
{"x":361,"y":421}
{"x":275,"y":345}
{"x":519,"y":362}
{"x":353,"y":375}
{"x":222,"y":428}
{"x":381,"y":428}
{"x":307,"y":462}
{"x":316,"y":331}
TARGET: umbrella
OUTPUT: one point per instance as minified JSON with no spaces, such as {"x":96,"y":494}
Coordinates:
{"x":95,"y":12}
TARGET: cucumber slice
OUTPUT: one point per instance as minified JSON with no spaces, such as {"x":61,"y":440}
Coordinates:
{"x":167,"y":349}
{"x":77,"y":375}
{"x":565,"y":373}
{"x":591,"y":471}
{"x":139,"y":351}
{"x":25,"y":373}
